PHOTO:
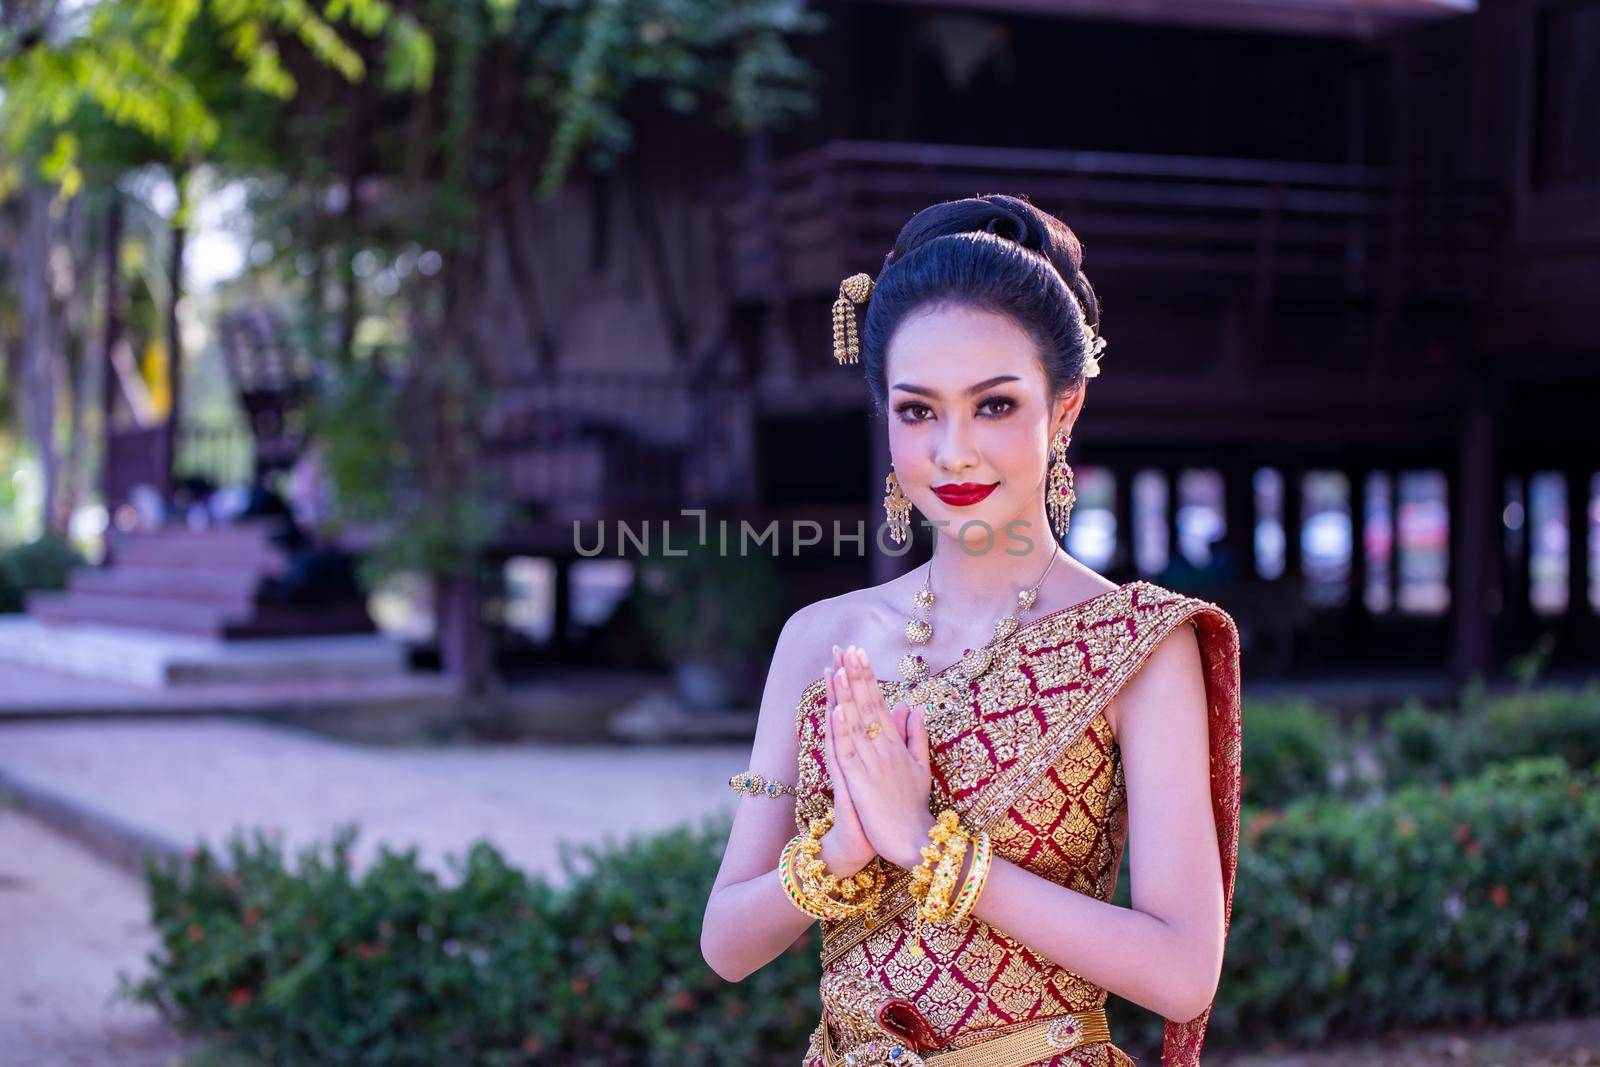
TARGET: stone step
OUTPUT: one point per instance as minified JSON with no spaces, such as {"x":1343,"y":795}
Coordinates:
{"x":186,"y":549}
{"x":152,"y":658}
{"x":232,"y":587}
{"x":198,"y":618}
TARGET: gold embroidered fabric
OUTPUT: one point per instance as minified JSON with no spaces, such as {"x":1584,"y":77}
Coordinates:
{"x":1025,"y":751}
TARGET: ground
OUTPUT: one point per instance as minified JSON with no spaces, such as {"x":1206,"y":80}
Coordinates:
{"x":70,"y":922}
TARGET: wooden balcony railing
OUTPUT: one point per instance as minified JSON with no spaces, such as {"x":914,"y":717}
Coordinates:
{"x":614,"y":443}
{"x":1354,"y":232}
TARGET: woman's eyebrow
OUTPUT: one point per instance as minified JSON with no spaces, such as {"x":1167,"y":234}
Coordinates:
{"x":971,"y":389}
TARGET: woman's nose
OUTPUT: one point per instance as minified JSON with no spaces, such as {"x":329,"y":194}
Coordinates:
{"x":955,"y":450}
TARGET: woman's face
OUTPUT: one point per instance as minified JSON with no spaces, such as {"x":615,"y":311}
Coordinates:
{"x":970,"y":423}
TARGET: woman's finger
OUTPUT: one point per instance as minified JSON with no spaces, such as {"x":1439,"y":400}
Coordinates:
{"x":869,"y":698}
{"x":845,"y":741}
{"x":841,"y":789}
{"x":917,"y":735}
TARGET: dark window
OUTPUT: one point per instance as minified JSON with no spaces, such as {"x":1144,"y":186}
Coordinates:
{"x":1566,"y":147}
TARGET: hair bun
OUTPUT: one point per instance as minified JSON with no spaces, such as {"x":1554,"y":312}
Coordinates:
{"x":1012,"y":226}
{"x":1004,"y":223}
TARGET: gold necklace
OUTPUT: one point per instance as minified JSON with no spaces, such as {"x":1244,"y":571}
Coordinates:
{"x":974,"y":662}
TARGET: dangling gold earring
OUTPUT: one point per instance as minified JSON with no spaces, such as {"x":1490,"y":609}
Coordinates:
{"x":897,"y":507}
{"x":1060,"y":496}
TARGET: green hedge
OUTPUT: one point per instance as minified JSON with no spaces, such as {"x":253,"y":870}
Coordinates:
{"x":492,"y":967}
{"x":1439,"y":904}
{"x":41,"y":564}
{"x":1423,"y":745}
{"x":1292,"y":749}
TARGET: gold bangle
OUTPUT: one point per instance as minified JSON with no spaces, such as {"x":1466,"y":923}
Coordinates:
{"x":786,"y":877}
{"x":817,"y":887}
{"x":937,"y":904}
{"x":977,"y":875}
{"x":932,"y":887}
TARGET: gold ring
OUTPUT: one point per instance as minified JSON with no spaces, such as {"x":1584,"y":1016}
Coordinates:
{"x":874,"y":728}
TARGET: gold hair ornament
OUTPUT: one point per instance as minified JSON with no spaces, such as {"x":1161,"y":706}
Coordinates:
{"x":856,"y":289}
{"x":1097,"y":344}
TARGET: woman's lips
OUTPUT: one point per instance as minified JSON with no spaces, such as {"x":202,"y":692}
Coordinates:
{"x":963,"y":494}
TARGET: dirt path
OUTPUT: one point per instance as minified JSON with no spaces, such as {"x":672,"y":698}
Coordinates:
{"x":1562,"y":1043}
{"x":68,"y":922}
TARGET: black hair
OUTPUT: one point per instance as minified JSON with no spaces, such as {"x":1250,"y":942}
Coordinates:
{"x":995,"y":253}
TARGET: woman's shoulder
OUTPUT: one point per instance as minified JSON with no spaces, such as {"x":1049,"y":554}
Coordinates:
{"x":1174,"y":638}
{"x":857,"y":616}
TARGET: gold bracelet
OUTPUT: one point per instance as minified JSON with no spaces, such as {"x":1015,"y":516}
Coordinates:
{"x":977,"y":875}
{"x":790,"y":888}
{"x":817,"y":887}
{"x":939,"y":834}
{"x":754,"y":785}
{"x":936,"y":906}
{"x":932,"y":887}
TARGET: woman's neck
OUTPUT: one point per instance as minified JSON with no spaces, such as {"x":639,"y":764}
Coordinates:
{"x":978,"y":580}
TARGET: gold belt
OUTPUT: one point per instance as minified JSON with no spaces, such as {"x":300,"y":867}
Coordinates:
{"x":1041,"y":1041}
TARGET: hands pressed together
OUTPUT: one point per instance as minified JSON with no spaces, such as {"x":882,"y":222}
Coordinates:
{"x":879,"y":768}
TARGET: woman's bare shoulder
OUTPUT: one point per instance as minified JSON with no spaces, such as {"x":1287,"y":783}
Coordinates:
{"x":865,"y":617}
{"x":1171,"y":672}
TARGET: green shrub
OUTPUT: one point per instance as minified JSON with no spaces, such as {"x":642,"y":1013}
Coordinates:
{"x":37,"y":565}
{"x":397,"y":967}
{"x":1291,"y":749}
{"x":1438,"y":905}
{"x":1551,"y":720}
{"x":1421,"y":745}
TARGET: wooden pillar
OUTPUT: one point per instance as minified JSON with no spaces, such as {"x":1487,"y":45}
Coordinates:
{"x":1514,"y":579}
{"x":1293,"y":512}
{"x":1525,"y":563}
{"x":1239,"y":505}
{"x":1578,"y":610}
{"x":1359,"y":569}
{"x":1474,"y":515}
{"x":561,"y":613}
{"x":1123,"y":560}
{"x":1173,"y":553}
{"x":1394,"y":542}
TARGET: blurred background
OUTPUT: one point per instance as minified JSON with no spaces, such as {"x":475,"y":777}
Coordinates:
{"x":334,"y":338}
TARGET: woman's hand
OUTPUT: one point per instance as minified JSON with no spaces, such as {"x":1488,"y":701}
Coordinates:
{"x":888,"y":775}
{"x":845,"y":847}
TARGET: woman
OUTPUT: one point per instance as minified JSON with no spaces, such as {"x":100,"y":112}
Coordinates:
{"x":1086,"y":716}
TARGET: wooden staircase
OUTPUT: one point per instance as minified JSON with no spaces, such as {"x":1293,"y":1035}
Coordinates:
{"x":226,"y":584}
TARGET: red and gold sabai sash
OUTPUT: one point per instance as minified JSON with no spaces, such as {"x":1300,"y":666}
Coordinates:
{"x":999,"y":745}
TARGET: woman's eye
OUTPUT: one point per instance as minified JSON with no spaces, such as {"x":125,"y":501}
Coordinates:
{"x":997,"y":405}
{"x":913,"y":412}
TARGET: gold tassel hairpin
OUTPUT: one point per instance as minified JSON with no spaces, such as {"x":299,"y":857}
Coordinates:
{"x":856,"y":289}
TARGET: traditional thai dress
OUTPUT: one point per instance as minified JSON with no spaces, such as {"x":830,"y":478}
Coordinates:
{"x":1025,"y":751}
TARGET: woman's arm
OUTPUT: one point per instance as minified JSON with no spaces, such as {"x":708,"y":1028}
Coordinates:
{"x":1165,"y":952}
{"x":749,"y":920}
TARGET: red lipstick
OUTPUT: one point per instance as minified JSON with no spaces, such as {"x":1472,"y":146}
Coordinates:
{"x":963,"y":494}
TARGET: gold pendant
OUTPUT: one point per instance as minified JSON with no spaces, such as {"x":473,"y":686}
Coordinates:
{"x":976,"y":662}
{"x":913,"y":668}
